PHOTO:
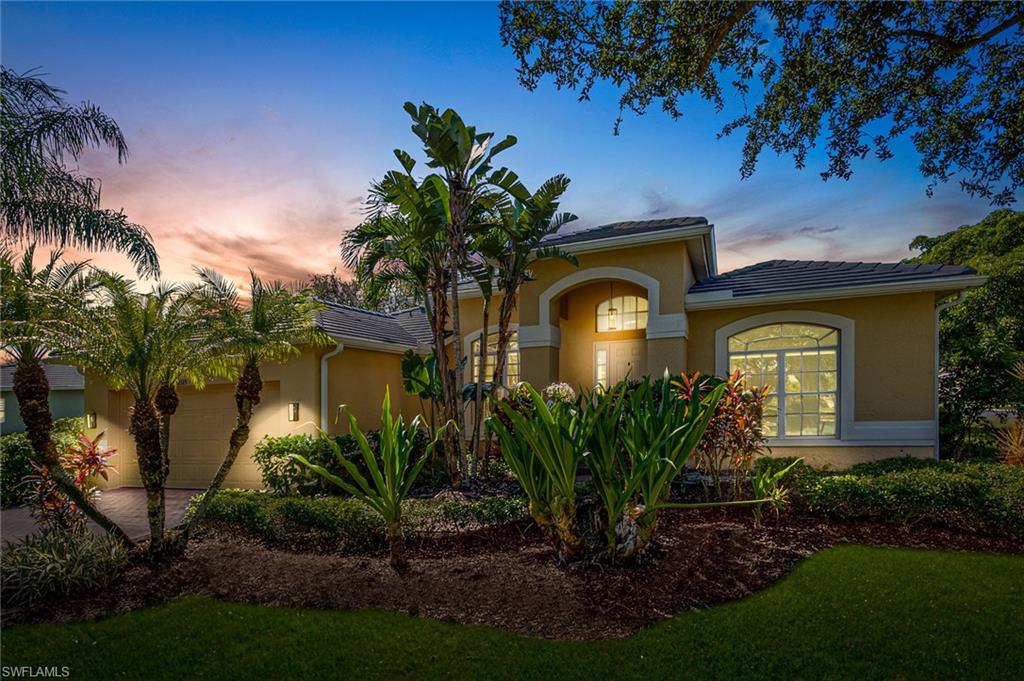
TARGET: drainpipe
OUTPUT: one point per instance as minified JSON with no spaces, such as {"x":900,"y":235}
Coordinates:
{"x":323,"y":383}
{"x":938,"y":311}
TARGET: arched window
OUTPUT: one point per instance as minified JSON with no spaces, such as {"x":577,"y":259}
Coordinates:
{"x":511,"y":366}
{"x":800,"y":362}
{"x":622,"y":313}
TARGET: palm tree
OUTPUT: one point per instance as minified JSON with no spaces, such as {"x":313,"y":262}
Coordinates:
{"x":526,"y":224}
{"x":41,"y":200}
{"x":273,"y":327}
{"x":463,"y":185}
{"x":136,"y":341}
{"x":407,"y":247}
{"x":35,"y":306}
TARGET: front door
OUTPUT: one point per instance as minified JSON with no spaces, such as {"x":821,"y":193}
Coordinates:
{"x":616,"y":360}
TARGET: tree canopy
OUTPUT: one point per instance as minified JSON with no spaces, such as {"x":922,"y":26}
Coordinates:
{"x":982,"y":337}
{"x":852,"y":77}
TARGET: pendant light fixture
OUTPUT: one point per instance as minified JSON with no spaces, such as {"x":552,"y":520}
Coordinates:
{"x":613,"y":313}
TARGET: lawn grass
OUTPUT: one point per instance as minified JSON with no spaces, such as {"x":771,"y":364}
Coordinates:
{"x":846,"y":613}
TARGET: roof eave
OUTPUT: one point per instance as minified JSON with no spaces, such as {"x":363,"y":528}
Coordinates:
{"x":376,"y":345}
{"x":713,"y":300}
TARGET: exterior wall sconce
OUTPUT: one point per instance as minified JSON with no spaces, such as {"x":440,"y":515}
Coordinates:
{"x":293,"y":411}
{"x":90,"y":420}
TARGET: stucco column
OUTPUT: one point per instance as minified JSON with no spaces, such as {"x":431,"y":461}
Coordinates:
{"x":666,"y":353}
{"x":539,"y":365}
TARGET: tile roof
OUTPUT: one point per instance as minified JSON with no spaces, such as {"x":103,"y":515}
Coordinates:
{"x":345,"y":321}
{"x":630,"y":227}
{"x":60,"y":376}
{"x":785,"y":276}
{"x":414,"y":320}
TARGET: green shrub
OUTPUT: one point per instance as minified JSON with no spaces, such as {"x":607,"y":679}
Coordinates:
{"x":897,"y":464}
{"x":342,"y":523}
{"x":297,"y":521}
{"x":969,"y":495}
{"x":965,"y":496}
{"x":462,"y":515}
{"x":284,"y":476}
{"x":16,"y":455}
{"x":59,"y":564}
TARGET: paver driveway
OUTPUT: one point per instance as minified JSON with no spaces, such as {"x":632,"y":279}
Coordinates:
{"x":126,"y":506}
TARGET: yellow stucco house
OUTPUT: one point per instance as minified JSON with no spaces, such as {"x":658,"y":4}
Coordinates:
{"x":849,"y":348}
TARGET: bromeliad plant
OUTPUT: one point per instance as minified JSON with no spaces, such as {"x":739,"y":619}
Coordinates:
{"x":543,"y":448}
{"x":392,"y":470}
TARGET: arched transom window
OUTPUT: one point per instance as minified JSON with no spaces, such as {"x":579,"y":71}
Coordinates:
{"x":800,"y":363}
{"x":622,"y":313}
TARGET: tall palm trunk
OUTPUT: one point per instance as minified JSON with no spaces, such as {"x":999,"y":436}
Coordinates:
{"x":32,"y":389}
{"x":459,"y":378}
{"x":248,"y":393}
{"x":153,"y":468}
{"x":439,"y":323}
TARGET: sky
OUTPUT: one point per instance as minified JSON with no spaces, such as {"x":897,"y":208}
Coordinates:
{"x":254,"y":130}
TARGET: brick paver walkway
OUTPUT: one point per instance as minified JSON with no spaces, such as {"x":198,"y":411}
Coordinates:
{"x":126,"y":506}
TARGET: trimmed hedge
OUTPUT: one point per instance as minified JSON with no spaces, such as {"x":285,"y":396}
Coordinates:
{"x":906,"y":490}
{"x":16,"y":457}
{"x":342,"y":523}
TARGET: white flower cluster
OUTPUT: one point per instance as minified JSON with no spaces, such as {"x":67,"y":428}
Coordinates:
{"x":560,"y":392}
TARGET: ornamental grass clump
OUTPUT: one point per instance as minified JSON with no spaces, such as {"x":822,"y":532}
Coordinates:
{"x":56,"y":563}
{"x":391,"y":470}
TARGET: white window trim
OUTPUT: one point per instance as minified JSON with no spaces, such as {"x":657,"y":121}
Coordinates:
{"x":469,"y":339}
{"x":851,"y":432}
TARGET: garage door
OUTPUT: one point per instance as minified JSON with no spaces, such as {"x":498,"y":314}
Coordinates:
{"x":200,"y":432}
{"x":199,"y":436}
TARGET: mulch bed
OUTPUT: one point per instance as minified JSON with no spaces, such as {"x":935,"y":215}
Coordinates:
{"x":506,"y":577}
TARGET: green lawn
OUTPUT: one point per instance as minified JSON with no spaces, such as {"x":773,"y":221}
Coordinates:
{"x":846,"y":613}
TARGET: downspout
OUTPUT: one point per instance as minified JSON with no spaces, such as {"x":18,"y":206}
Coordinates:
{"x":323,"y":383}
{"x":938,"y":311}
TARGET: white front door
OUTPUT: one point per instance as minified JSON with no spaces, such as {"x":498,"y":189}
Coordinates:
{"x":616,"y":360}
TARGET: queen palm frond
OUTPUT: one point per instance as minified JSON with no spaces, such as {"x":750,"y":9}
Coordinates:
{"x":41,"y":200}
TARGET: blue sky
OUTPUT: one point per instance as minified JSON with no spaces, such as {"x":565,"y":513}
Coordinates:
{"x":254,"y":129}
